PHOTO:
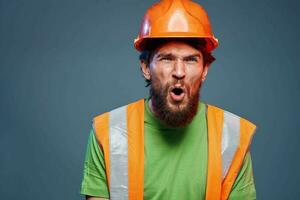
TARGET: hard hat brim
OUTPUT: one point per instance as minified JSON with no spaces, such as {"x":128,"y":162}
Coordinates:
{"x":142,"y":44}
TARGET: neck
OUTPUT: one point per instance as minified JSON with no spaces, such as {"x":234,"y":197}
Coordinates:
{"x":151,"y":106}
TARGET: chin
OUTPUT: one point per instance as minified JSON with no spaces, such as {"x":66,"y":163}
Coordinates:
{"x":177,"y":106}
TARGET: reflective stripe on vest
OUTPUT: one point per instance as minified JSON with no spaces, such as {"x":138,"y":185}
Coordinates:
{"x":120,"y":134}
{"x":230,"y":140}
{"x":118,"y":147}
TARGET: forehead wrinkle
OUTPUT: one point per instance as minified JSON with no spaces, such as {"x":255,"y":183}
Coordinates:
{"x":175,"y":51}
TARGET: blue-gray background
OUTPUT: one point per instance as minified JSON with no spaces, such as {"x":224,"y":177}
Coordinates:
{"x":62,"y":62}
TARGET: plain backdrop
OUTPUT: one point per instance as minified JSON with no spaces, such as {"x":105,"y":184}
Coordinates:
{"x":64,"y":61}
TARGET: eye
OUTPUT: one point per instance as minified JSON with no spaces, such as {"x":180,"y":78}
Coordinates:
{"x":191,"y":59}
{"x":166,"y":59}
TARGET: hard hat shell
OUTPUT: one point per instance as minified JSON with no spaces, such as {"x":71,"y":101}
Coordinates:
{"x":176,"y":19}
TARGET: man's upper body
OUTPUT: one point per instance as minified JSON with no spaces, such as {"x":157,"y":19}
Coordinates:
{"x":175,"y":163}
{"x":171,"y":146}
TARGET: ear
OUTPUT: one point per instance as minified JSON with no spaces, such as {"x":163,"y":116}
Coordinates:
{"x":145,"y":69}
{"x":204,"y":73}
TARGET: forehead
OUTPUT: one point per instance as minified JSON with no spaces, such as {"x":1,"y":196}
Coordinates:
{"x":177,"y":48}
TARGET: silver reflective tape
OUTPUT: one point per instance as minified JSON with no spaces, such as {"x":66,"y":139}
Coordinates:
{"x":230,"y":140}
{"x":118,"y":154}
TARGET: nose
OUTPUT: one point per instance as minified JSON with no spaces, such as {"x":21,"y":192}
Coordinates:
{"x":179,"y":70}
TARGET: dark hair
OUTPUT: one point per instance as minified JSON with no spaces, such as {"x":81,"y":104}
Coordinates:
{"x":151,"y":45}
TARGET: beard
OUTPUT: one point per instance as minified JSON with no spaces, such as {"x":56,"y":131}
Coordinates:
{"x":180,"y":117}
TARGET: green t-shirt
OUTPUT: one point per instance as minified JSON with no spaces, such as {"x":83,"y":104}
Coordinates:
{"x":175,"y":163}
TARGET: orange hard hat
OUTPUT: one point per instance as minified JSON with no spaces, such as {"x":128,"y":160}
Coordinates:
{"x":176,"y":19}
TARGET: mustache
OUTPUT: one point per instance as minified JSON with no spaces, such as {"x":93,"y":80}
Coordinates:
{"x":179,"y":82}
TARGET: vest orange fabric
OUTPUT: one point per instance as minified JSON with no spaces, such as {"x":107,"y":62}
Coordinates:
{"x":217,"y":187}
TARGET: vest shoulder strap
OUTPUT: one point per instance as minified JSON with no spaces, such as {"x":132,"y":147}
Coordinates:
{"x":247,"y":130}
{"x":229,"y":137}
{"x":114,"y":130}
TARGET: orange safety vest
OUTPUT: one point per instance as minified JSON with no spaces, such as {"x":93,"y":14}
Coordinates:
{"x":120,"y":134}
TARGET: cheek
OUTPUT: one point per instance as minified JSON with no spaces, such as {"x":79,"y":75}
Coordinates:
{"x":160,"y":75}
{"x":195,"y":84}
{"x":195,"y":78}
{"x":157,"y":80}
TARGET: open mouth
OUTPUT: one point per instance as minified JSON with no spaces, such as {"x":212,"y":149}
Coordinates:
{"x":177,"y":93}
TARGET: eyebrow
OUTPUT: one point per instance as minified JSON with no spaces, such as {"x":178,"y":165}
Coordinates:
{"x":193,"y":55}
{"x":172,"y":55}
{"x":165,"y":55}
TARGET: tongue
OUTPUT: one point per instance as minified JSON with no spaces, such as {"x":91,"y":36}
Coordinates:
{"x":176,"y":97}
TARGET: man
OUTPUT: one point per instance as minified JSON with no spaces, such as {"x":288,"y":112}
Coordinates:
{"x":171,"y":145}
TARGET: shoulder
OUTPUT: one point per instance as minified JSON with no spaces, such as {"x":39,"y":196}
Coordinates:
{"x":119,"y":115}
{"x":120,"y":109}
{"x":228,"y":116}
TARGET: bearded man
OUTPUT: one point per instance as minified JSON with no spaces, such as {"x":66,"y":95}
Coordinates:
{"x":171,"y":145}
